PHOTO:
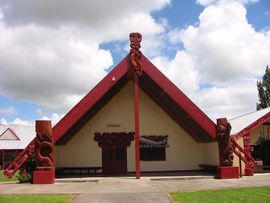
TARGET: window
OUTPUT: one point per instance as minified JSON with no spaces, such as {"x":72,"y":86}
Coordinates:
{"x":153,"y":154}
{"x":256,"y":152}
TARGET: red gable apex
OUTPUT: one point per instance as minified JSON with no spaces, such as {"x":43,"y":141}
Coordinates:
{"x":156,"y":85}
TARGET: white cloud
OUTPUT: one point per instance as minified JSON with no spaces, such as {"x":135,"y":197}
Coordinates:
{"x":11,"y":110}
{"x":18,"y":121}
{"x":234,"y":99}
{"x":3,"y":121}
{"x":54,"y":118}
{"x":53,"y":58}
{"x":225,"y":46}
{"x":175,"y":36}
{"x":51,"y":65}
{"x":102,"y":18}
{"x":94,"y":12}
{"x":205,"y":2}
{"x":209,"y":2}
{"x":180,"y":70}
{"x":225,"y":52}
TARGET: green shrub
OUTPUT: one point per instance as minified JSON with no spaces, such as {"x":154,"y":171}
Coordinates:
{"x":24,"y":177}
{"x":26,"y":171}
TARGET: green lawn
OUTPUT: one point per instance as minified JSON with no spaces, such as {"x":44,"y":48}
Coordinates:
{"x":252,"y":195}
{"x":4,"y":179}
{"x":36,"y":198}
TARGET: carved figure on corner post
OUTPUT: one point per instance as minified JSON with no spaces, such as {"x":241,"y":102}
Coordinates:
{"x":224,"y":142}
{"x":45,"y":171}
{"x":44,"y":152}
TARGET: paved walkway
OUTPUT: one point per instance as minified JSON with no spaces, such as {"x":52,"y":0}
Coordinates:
{"x":127,"y":189}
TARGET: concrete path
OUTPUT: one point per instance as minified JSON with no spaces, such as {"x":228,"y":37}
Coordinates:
{"x":124,"y":189}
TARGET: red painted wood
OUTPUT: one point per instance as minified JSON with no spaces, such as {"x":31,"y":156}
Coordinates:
{"x":252,"y":126}
{"x":179,"y":97}
{"x":228,"y":172}
{"x":94,"y":96}
{"x":249,"y":172}
{"x":45,"y":171}
{"x":44,"y":127}
{"x":43,"y":177}
{"x":20,"y":159}
{"x":137,"y":127}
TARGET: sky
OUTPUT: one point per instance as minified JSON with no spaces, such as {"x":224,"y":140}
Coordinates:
{"x":52,"y":53}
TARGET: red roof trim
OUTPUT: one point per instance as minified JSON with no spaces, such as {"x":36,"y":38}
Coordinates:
{"x":180,"y":98}
{"x":89,"y":100}
{"x":252,"y":126}
{"x":11,"y":132}
{"x":107,"y":83}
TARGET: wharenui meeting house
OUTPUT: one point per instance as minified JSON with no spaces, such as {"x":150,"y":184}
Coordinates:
{"x":136,"y":121}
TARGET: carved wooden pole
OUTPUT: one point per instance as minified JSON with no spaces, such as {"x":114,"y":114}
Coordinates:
{"x":249,"y":168}
{"x":135,"y":56}
{"x":224,"y":142}
{"x":45,"y":171}
{"x":226,"y":169}
{"x":137,"y":127}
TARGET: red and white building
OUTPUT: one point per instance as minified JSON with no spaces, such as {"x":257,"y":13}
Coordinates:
{"x":131,"y":123}
{"x":14,"y":139}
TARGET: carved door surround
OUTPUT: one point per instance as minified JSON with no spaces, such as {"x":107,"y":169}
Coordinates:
{"x":114,"y":150}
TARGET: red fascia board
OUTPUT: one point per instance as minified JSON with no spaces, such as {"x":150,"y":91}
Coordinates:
{"x":179,"y":97}
{"x":252,"y":126}
{"x":11,"y":132}
{"x":90,"y":99}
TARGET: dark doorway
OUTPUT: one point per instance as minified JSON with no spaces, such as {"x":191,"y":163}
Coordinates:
{"x":266,"y":155}
{"x":114,"y":160}
{"x":114,"y":150}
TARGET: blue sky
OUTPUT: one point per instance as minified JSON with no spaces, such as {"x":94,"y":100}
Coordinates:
{"x":51,"y":57}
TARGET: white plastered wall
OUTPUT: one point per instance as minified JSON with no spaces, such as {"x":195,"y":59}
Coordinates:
{"x":183,"y":152}
{"x":210,"y":151}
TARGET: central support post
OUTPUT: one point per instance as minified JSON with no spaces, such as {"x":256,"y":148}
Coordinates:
{"x":135,"y":62}
{"x":137,"y":125}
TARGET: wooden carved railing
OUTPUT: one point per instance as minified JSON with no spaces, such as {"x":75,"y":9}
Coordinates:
{"x":243,"y":155}
{"x":20,"y":159}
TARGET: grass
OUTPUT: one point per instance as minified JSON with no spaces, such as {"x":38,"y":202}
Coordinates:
{"x":5,"y":179}
{"x":245,"y":195}
{"x":36,"y":198}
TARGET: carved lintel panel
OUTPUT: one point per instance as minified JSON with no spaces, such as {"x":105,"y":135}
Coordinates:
{"x":114,"y":139}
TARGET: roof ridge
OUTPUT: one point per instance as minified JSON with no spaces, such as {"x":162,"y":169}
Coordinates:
{"x":249,"y":113}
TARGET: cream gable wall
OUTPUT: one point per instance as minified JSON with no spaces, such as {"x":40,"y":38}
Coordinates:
{"x":183,"y":154}
{"x":210,"y":151}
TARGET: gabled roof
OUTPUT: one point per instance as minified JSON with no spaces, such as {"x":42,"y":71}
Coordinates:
{"x":156,"y":85}
{"x":8,"y":134}
{"x":24,"y":133}
{"x":243,"y":125}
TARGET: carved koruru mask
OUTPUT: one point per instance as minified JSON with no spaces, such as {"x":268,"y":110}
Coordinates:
{"x":135,"y":39}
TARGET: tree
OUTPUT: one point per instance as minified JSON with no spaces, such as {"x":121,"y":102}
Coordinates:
{"x":263,"y":87}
